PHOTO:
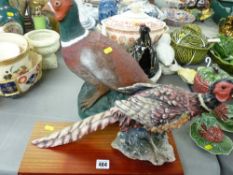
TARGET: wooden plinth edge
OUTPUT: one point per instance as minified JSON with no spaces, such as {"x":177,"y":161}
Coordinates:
{"x":80,"y":157}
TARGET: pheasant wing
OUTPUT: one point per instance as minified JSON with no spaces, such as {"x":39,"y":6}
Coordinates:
{"x":154,"y":112}
{"x":136,"y":87}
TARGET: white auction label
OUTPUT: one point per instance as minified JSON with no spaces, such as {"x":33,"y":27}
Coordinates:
{"x":102,"y":164}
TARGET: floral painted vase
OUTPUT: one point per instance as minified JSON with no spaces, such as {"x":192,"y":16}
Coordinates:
{"x":107,"y":8}
{"x":10,"y":18}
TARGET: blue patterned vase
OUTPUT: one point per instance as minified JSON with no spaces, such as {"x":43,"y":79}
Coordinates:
{"x":107,"y":8}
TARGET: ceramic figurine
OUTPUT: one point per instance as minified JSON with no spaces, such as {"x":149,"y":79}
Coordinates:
{"x":47,"y":19}
{"x":155,"y":108}
{"x":142,"y":6}
{"x":206,"y":76}
{"x":187,"y":75}
{"x":10,"y":18}
{"x":163,"y":46}
{"x":34,"y":5}
{"x":92,"y":56}
{"x":202,"y":4}
{"x":194,"y":3}
{"x":144,"y":53}
{"x":87,"y":15}
{"x":199,"y":8}
{"x":166,"y":55}
{"x":107,"y":8}
{"x":170,"y":3}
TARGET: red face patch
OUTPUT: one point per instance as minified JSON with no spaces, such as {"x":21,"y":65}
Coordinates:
{"x":223,"y":91}
{"x":60,"y":8}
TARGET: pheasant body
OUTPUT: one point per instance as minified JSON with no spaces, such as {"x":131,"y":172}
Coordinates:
{"x":92,"y":56}
{"x":87,"y":59}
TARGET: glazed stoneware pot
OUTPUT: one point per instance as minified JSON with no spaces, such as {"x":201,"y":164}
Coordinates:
{"x":45,"y":42}
{"x":19,"y":68}
{"x":124,"y":28}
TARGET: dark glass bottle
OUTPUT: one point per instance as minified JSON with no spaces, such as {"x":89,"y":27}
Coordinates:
{"x":144,"y":53}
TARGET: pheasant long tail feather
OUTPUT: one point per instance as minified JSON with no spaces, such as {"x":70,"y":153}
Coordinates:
{"x":78,"y":129}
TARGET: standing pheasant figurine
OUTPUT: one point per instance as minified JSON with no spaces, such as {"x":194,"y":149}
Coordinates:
{"x":92,"y":56}
{"x":156,"y":108}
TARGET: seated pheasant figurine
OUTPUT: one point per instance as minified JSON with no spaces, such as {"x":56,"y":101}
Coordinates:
{"x":92,"y":56}
{"x":152,"y":108}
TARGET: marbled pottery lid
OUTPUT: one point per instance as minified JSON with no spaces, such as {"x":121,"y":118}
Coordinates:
{"x":130,"y":21}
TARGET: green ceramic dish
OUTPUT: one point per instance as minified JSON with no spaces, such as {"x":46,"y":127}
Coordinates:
{"x":223,"y":64}
{"x":221,"y":9}
{"x":190,"y":51}
{"x":222,"y":148}
{"x":227,"y":125}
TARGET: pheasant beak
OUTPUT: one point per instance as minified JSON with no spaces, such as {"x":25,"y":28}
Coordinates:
{"x":48,"y":8}
{"x":58,"y":8}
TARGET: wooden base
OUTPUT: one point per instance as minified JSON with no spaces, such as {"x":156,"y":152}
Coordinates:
{"x":80,"y":157}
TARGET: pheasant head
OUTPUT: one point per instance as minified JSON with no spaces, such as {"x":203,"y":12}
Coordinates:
{"x":223,"y":90}
{"x":219,"y":92}
{"x":59,"y":8}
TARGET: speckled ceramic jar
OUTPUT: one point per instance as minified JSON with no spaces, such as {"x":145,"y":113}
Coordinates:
{"x":124,"y":28}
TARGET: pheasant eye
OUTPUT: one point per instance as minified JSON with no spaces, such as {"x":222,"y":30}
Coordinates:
{"x":57,"y":3}
{"x":224,"y":87}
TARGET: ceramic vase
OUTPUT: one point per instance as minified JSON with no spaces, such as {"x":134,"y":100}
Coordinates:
{"x":21,"y":5}
{"x":107,"y":8}
{"x":46,"y":43}
{"x":11,"y":20}
{"x":34,"y":5}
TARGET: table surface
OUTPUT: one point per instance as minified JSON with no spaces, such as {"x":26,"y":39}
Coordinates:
{"x":54,"y":98}
{"x":80,"y":157}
